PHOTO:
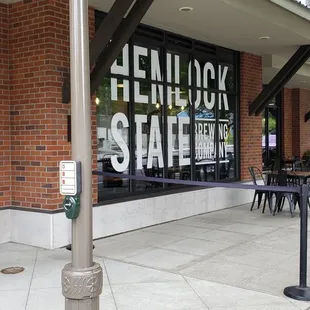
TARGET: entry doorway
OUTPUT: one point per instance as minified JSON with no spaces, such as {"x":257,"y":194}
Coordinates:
{"x":271,"y":132}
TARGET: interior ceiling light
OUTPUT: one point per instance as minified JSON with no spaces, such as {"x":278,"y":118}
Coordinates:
{"x":264,"y":38}
{"x":185,"y":9}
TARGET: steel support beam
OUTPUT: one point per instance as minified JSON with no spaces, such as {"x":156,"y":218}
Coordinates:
{"x":279,"y":81}
{"x":121,"y":37}
{"x":108,"y":27}
{"x":102,"y":37}
{"x":307,"y":117}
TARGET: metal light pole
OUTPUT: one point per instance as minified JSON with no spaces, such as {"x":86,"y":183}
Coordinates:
{"x":82,"y":279}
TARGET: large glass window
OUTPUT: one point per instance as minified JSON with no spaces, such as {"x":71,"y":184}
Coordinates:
{"x":167,"y":110}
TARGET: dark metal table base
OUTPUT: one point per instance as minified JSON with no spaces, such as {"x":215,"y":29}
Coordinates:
{"x":298,"y":293}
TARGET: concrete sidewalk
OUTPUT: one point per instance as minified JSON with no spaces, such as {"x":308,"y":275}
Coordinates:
{"x":232,"y":259}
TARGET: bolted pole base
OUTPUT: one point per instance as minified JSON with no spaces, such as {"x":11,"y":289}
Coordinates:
{"x":82,"y":304}
{"x":82,"y":287}
{"x":298,"y":293}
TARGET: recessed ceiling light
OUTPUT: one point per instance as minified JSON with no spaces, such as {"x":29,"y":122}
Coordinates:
{"x":185,"y":9}
{"x":302,"y":81}
{"x":264,"y":38}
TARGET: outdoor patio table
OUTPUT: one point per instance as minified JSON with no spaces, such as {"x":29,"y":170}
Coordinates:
{"x":304,"y":175}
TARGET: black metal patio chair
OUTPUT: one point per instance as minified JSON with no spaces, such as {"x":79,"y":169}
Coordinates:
{"x":284,"y":180}
{"x":257,"y":177}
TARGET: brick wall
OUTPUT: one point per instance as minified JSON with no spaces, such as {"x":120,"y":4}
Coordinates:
{"x":250,"y":126}
{"x":295,"y":122}
{"x":287,"y":117}
{"x":39,"y":61}
{"x":304,"y":107}
{"x":299,"y":101}
{"x":5,"y":137}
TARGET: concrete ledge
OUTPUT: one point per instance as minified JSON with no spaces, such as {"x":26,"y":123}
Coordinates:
{"x":52,"y":231}
{"x":5,"y":225}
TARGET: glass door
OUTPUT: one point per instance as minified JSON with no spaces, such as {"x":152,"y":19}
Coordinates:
{"x":271,"y":133}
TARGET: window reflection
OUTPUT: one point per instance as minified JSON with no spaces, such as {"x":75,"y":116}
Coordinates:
{"x":148,"y":140}
{"x":108,"y":146}
{"x":230,"y":81}
{"x":178,"y":124}
{"x":177,"y":68}
{"x":205,"y":148}
{"x":227,"y":140}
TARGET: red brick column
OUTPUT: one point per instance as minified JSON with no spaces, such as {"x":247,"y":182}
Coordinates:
{"x":304,"y":107}
{"x":295,"y":122}
{"x":287,"y":121}
{"x":39,"y":61}
{"x":250,"y":126}
{"x":5,"y":135}
{"x":300,"y":129}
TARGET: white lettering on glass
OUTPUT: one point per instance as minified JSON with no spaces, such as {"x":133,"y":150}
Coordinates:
{"x":119,"y":117}
{"x":170,"y":121}
{"x":122,"y":70}
{"x":140,"y":119}
{"x":202,"y":80}
{"x":208,"y":68}
{"x":138,"y":73}
{"x":155,"y":147}
{"x":198,"y":81}
{"x":204,"y":145}
{"x":156,"y":76}
{"x":178,"y":100}
{"x":147,"y":64}
{"x":222,"y":86}
{"x":169,"y":79}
